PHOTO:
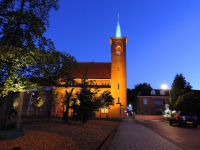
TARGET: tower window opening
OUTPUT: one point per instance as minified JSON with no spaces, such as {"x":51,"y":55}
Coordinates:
{"x":118,"y":99}
{"x":118,"y":68}
{"x":118,"y":86}
{"x":118,"y":50}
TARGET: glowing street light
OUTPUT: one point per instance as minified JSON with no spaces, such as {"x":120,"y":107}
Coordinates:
{"x":164,"y":86}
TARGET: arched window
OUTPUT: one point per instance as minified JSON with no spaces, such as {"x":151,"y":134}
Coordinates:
{"x":118,"y":50}
{"x":153,"y":92}
{"x":162,"y":92}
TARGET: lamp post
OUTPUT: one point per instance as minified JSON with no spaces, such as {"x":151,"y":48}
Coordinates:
{"x":164,"y":86}
{"x":120,"y":110}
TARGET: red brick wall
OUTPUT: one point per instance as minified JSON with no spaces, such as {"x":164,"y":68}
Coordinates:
{"x":150,"y":105}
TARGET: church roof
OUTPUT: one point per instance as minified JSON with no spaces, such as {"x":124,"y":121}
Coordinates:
{"x":94,"y":70}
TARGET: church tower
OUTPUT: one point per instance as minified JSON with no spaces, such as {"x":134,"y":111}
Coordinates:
{"x":118,"y":73}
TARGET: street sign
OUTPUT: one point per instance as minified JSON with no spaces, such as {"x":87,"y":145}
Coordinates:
{"x":166,"y":106}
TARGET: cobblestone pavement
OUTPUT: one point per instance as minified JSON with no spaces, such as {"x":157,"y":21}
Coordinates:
{"x":133,"y":136}
{"x":186,"y":137}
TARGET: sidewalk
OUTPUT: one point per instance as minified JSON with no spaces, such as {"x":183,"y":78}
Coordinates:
{"x":132,"y":136}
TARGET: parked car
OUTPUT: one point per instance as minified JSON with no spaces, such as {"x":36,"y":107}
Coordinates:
{"x":183,"y":118}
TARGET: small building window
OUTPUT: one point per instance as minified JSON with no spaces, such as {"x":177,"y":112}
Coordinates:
{"x":153,"y":92}
{"x":105,"y":84}
{"x":102,"y":110}
{"x":96,"y":84}
{"x":162,"y":92}
{"x":158,"y":101}
{"x":145,"y":100}
{"x":106,"y":110}
{"x":118,"y":68}
{"x":108,"y":84}
{"x":102,"y":84}
{"x":118,"y":99}
{"x":118,"y":86}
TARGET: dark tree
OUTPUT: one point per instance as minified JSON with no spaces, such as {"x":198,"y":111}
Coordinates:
{"x":187,"y":103}
{"x":86,"y":98}
{"x":105,"y":100}
{"x":179,"y":87}
{"x":132,"y":94}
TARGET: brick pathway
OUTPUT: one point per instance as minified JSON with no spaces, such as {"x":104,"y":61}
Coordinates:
{"x":132,"y":136}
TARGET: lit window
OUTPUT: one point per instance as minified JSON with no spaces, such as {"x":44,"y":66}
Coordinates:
{"x":102,"y":110}
{"x":153,"y":92}
{"x":106,"y":110}
{"x":162,"y":92}
{"x":145,"y":100}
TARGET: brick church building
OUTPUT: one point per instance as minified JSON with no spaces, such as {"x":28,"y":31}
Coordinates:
{"x":105,"y":76}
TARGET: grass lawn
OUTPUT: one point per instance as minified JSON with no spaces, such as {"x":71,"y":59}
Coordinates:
{"x":60,"y":135}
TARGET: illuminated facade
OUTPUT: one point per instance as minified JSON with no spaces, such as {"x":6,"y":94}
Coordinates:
{"x":105,"y":76}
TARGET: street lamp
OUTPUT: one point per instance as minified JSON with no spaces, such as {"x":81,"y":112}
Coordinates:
{"x":164,"y":86}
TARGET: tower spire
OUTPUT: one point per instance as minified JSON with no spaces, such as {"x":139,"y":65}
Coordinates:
{"x":118,"y":30}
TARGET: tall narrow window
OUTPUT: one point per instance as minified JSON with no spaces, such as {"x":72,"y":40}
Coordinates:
{"x":118,"y":99}
{"x":118,"y":86}
{"x":102,"y":84}
{"x":145,"y":100}
{"x":118,"y":68}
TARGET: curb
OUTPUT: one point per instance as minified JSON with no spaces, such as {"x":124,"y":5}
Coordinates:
{"x":104,"y":144}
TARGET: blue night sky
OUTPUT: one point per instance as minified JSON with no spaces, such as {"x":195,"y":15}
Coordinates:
{"x":163,"y":36}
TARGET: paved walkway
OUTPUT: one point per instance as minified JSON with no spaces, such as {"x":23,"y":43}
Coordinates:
{"x":132,"y":136}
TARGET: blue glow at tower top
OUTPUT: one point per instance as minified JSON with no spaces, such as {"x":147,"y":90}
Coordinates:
{"x":118,"y":30}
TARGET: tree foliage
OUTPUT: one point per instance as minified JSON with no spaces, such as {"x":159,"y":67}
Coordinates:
{"x":86,"y":98}
{"x":106,"y":99}
{"x":22,"y":44}
{"x":22,"y":24}
{"x":187,"y":102}
{"x":132,"y":93}
{"x":179,"y":87}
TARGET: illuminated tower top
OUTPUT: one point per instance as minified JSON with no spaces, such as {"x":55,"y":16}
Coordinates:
{"x":118,"y":30}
